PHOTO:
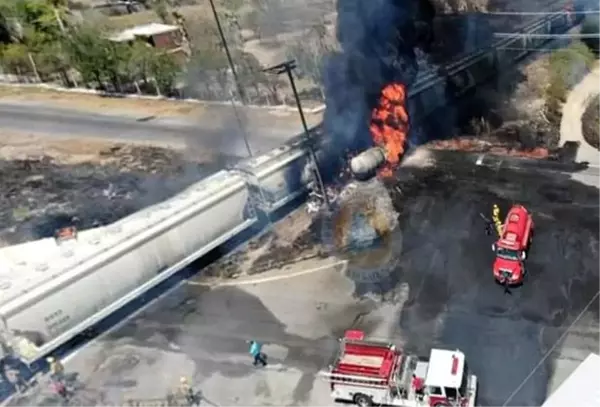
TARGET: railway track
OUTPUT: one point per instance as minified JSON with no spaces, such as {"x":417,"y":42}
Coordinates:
{"x":463,"y":61}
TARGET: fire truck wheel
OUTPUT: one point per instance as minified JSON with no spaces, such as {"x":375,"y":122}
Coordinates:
{"x":362,"y":400}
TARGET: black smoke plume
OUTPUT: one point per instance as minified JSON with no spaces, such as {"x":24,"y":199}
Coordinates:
{"x":378,"y":40}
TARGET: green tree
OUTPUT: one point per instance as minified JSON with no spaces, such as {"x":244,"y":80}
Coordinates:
{"x":566,"y":67}
{"x":140,"y":61}
{"x":164,"y":70}
{"x":591,"y":25}
{"x":38,"y":22}
{"x":53,"y":59}
{"x":14,"y":58}
{"x":35,"y":24}
{"x":86,"y":50}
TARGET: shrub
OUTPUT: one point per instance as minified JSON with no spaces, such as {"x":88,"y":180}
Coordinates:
{"x":590,"y":123}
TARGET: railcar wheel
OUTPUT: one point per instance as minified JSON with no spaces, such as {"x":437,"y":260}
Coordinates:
{"x":362,"y":400}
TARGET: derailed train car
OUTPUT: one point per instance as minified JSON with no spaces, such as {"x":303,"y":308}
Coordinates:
{"x":50,"y":293}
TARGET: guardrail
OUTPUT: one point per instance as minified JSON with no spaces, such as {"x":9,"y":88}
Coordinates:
{"x":111,"y":266}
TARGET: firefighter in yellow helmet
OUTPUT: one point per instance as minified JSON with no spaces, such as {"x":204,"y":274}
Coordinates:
{"x":186,"y":391}
{"x":497,"y":220}
{"x":57,"y":369}
{"x":57,"y":377}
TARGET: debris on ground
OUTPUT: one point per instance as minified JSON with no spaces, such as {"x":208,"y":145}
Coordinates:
{"x":292,"y":239}
{"x":47,"y":186}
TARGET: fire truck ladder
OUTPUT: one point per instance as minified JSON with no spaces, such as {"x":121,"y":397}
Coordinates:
{"x":345,"y":379}
{"x":167,"y":401}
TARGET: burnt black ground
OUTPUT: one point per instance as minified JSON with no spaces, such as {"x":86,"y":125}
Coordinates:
{"x":445,"y":261}
{"x":40,"y":196}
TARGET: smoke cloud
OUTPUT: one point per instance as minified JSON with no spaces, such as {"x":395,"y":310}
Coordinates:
{"x":378,"y":40}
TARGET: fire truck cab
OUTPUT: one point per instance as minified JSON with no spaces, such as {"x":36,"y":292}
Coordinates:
{"x":378,"y":373}
{"x":512,"y":246}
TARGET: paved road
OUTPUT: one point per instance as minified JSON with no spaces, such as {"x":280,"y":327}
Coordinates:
{"x":202,"y":333}
{"x":220,"y":131}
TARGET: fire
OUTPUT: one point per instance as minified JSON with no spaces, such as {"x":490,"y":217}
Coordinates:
{"x":389,"y":125}
{"x":496,"y":147}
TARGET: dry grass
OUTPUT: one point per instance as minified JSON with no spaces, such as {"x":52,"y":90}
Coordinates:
{"x":65,"y":150}
{"x":95,"y":103}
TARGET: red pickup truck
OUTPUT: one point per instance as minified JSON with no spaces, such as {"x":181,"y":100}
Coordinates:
{"x":512,"y":247}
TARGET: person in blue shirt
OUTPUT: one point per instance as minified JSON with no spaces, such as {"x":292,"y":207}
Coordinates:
{"x":256,"y":352}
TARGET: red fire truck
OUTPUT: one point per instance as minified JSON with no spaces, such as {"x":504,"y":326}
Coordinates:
{"x":378,"y":373}
{"x":512,"y":246}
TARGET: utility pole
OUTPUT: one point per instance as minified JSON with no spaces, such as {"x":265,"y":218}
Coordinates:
{"x":287,"y":68}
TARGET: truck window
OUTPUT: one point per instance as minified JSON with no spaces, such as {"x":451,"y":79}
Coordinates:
{"x":464,"y":384}
{"x":435,"y":391}
{"x":507,"y":254}
{"x":451,"y":393}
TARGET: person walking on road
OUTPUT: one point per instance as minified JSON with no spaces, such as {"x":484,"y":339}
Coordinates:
{"x":256,"y":352}
{"x":187,"y":391}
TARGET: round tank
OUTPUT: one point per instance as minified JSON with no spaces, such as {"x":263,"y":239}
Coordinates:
{"x":367,"y":162}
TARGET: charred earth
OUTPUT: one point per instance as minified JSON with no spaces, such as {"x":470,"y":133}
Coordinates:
{"x":436,"y":268}
{"x":445,"y":263}
{"x":42,"y":194}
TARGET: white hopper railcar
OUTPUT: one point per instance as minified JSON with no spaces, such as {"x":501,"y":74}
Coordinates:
{"x":50,"y":293}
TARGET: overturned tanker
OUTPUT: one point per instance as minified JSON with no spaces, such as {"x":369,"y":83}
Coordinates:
{"x":388,"y":129}
{"x":366,"y":164}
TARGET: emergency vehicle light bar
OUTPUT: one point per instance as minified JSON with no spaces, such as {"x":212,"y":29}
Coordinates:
{"x":454,"y":365}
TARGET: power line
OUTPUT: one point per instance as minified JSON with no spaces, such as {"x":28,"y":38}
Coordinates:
{"x":538,"y":13}
{"x":546,"y":36}
{"x":530,"y":49}
{"x":549,"y":352}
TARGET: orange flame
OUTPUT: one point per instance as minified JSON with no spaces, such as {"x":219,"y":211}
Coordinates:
{"x":389,"y":125}
{"x":495,"y":147}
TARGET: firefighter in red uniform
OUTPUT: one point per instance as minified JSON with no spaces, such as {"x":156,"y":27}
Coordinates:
{"x":418,"y":386}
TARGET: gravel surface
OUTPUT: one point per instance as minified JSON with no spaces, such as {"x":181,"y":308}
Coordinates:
{"x":590,"y":122}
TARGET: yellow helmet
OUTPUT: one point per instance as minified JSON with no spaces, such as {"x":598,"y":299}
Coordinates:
{"x":49,"y":359}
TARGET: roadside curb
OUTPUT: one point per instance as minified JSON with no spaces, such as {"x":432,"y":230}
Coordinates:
{"x":285,"y":108}
{"x":266,"y":277}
